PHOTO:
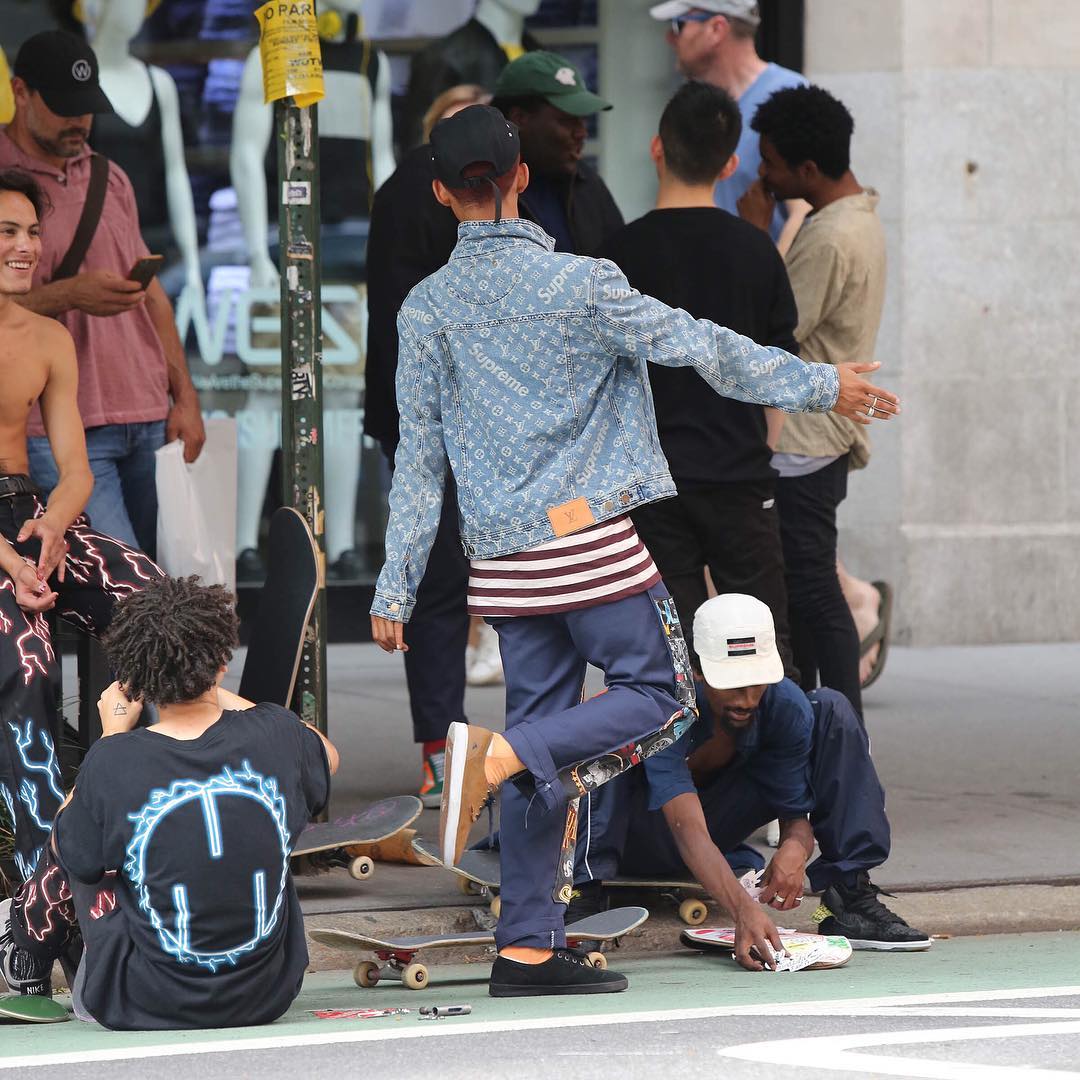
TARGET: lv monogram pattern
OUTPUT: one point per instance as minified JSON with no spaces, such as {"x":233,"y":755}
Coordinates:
{"x":525,"y":370}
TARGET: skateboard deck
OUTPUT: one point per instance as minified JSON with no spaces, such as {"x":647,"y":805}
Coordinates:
{"x":286,"y":601}
{"x":807,"y":952}
{"x":399,"y":848}
{"x":396,"y":957}
{"x":32,"y":1009}
{"x":479,"y":874}
{"x":340,"y":843}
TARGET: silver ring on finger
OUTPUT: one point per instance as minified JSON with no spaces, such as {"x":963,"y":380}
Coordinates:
{"x":870,"y":409}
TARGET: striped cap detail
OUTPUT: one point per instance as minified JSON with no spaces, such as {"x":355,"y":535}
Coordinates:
{"x":742,"y":646}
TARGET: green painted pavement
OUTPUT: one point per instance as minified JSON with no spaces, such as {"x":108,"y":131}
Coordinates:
{"x":664,"y":982}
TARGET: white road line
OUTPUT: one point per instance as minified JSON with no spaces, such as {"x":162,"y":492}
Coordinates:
{"x":833,"y":1052}
{"x":879,"y":1006}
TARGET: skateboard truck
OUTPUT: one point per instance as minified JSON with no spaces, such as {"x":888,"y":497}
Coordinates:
{"x":398,"y":965}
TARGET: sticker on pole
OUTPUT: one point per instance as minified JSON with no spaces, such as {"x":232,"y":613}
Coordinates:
{"x":289,"y":48}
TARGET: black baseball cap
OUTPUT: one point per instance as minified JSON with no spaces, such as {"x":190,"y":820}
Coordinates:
{"x":63,"y":69}
{"x":478,"y":135}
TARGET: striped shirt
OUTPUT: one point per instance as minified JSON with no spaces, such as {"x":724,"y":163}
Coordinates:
{"x":600,"y":564}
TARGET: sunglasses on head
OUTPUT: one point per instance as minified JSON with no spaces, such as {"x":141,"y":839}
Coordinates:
{"x":680,"y":21}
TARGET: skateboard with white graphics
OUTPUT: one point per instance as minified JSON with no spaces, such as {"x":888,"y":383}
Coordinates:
{"x":395,"y":958}
{"x":806,"y":952}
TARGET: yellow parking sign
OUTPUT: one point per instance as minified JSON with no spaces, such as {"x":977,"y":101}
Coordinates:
{"x":289,"y":47}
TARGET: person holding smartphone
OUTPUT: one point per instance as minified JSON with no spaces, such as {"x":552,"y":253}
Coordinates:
{"x":135,"y":392}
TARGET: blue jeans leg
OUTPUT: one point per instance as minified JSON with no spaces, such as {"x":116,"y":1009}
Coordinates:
{"x":544,"y":658}
{"x":123,"y":503}
{"x":849,"y":819}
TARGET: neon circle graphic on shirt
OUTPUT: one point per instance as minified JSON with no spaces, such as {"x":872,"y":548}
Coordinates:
{"x":243,"y":783}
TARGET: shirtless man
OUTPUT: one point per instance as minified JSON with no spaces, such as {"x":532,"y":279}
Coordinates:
{"x":49,"y":556}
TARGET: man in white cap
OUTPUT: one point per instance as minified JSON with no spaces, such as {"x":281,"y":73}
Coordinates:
{"x":714,"y":42}
{"x":761,"y":750}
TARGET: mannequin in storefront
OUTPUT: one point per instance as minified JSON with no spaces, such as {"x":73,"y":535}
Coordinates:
{"x":473,"y":53}
{"x":356,"y":152}
{"x":144,"y":137}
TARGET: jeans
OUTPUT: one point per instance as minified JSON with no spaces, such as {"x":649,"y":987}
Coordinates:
{"x":734,"y":530}
{"x":823,"y":634}
{"x":123,"y":504}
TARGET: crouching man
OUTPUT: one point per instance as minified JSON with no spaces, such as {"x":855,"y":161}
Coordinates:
{"x":171,"y":856}
{"x":762,"y":750}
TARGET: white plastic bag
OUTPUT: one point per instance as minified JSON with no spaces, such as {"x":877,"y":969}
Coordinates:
{"x":196,"y":525}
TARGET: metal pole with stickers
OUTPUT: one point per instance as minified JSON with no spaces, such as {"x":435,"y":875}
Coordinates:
{"x":292,"y":75}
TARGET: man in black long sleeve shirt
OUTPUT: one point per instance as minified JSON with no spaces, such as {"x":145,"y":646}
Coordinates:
{"x":411,"y":237}
{"x":692,"y":255}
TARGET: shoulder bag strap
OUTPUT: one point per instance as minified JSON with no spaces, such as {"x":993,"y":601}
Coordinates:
{"x":88,"y":222}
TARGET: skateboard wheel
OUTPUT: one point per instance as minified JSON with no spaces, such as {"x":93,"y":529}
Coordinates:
{"x":496,"y":906}
{"x":415,"y":976}
{"x":693,"y":912}
{"x":466,"y":886}
{"x":366,"y":973}
{"x":361,"y":868}
{"x":598,"y":960}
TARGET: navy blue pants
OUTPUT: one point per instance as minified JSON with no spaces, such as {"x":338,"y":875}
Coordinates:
{"x":620,"y":836}
{"x":549,"y":727}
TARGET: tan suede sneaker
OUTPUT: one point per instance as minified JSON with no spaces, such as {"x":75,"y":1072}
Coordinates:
{"x":465,"y":787}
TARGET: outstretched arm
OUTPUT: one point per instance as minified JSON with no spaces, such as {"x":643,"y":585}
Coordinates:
{"x":629,"y":324}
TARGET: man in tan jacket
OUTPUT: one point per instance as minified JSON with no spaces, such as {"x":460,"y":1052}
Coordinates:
{"x":837,"y":270}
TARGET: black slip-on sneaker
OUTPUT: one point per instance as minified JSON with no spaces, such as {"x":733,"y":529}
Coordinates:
{"x":567,"y":972}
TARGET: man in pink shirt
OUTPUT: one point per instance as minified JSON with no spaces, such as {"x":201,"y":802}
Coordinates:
{"x":130,"y":357}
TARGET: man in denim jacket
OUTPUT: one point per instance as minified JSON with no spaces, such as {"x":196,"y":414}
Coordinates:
{"x":526,"y":371}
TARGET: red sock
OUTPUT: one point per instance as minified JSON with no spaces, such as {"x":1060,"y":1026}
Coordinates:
{"x":434,"y":746}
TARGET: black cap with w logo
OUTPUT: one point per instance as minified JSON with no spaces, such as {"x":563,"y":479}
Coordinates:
{"x":63,"y":69}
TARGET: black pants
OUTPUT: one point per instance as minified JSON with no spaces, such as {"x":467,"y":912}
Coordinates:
{"x":823,"y":635}
{"x":438,"y":631}
{"x":733,"y":529}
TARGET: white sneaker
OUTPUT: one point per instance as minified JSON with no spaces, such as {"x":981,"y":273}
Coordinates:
{"x":484,"y":668}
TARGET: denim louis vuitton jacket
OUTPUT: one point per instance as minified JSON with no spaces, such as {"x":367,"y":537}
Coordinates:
{"x":525,"y":370}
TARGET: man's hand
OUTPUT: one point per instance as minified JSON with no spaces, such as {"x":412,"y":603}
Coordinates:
{"x":389,"y":636}
{"x":757,"y":206}
{"x":185,"y":422}
{"x":782,"y":882}
{"x":54,"y":547}
{"x":31,"y":592}
{"x":860,"y":400}
{"x":755,"y":930}
{"x":101,"y":292}
{"x":117,"y":711}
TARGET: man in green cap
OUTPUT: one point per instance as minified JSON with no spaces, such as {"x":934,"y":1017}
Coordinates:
{"x":545,"y":96}
{"x":412,"y":237}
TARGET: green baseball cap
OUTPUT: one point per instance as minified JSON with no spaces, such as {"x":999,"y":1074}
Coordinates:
{"x":551,"y":77}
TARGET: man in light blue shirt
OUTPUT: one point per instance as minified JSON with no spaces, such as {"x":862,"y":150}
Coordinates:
{"x":714,"y":42}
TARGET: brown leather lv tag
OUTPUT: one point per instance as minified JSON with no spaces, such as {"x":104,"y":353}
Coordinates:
{"x":571,"y":517}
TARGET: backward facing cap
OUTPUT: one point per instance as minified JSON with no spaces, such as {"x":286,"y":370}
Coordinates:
{"x":478,"y":135}
{"x":735,"y":640}
{"x":63,"y":69}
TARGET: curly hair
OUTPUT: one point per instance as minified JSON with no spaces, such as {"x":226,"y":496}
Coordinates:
{"x":167,"y":643}
{"x":24,"y":184}
{"x":806,"y":123}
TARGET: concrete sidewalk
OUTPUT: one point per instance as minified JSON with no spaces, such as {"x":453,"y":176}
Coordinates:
{"x":978,"y":749}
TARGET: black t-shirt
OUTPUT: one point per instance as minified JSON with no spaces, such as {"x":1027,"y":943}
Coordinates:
{"x":206,"y":930}
{"x":718,"y":267}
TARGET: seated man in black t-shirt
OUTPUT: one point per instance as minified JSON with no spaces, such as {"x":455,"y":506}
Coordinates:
{"x":691,"y":255}
{"x":171,"y":856}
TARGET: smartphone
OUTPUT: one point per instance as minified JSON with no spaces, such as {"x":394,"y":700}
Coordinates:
{"x":145,"y":269}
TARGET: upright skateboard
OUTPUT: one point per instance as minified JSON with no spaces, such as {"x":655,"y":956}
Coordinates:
{"x":396,"y":957}
{"x":347,"y":842}
{"x":286,"y":601}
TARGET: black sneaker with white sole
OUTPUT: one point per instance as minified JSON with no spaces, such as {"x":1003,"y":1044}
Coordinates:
{"x":566,"y":972}
{"x":855,"y":912}
{"x":23,"y":972}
